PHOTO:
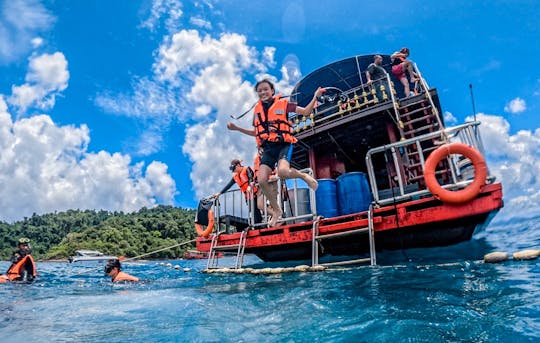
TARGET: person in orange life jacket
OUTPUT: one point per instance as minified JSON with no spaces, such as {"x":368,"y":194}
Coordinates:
{"x":113,"y":269}
{"x":23,"y":250}
{"x":273,"y":132}
{"x":400,"y":64}
{"x":243,"y":176}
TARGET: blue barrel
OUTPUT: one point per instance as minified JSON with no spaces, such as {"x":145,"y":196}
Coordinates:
{"x":353,"y":193}
{"x":326,"y":197}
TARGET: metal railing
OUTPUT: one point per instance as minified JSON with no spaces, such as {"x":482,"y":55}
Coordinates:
{"x":405,"y":170}
{"x":234,"y":203}
{"x":356,"y":99}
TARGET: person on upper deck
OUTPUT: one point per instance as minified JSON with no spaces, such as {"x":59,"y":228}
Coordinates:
{"x":400,"y":65}
{"x":376,"y":75}
{"x":244,"y":177}
{"x":273,"y":132}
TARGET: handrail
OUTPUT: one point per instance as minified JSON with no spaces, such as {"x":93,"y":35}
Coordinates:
{"x":462,"y":133}
{"x":233,"y":203}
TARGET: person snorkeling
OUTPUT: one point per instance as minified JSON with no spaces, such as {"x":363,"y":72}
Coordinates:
{"x":113,"y":269}
{"x":23,"y":267}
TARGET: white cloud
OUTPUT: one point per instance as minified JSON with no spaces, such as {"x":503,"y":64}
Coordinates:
{"x":200,"y":22}
{"x":20,"y":21}
{"x":515,"y":161}
{"x":515,"y":106}
{"x":449,"y":118}
{"x":167,"y":12}
{"x":150,"y":99}
{"x":47,"y":168}
{"x":212,"y":72}
{"x":47,"y":76}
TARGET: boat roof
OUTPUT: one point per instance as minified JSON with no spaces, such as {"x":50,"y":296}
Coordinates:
{"x":345,"y":74}
{"x":88,"y":252}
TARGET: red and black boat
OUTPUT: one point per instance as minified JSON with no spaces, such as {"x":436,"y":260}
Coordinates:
{"x":391,"y":175}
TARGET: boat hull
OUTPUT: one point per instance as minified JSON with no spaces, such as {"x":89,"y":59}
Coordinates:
{"x":412,"y":224}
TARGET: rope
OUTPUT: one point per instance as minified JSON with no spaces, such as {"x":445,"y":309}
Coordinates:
{"x":146,"y":254}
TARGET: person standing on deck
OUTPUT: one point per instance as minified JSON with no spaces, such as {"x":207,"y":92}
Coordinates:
{"x":376,"y":75}
{"x":273,"y":132}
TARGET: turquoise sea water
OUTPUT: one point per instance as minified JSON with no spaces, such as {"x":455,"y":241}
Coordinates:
{"x":421,"y":295}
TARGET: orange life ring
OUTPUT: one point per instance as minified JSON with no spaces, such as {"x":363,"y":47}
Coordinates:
{"x":469,"y":192}
{"x":206,"y":232}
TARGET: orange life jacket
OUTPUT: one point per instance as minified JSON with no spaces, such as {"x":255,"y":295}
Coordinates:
{"x":274,"y":127}
{"x":15,"y":271}
{"x":242,"y":180}
{"x":121,"y":276}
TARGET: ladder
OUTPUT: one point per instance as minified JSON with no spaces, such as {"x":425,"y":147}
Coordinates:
{"x":212,"y":262}
{"x":317,"y":237}
{"x":416,"y":118}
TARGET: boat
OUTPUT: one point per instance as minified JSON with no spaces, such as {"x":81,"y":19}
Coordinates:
{"x":90,"y":255}
{"x":392,"y":175}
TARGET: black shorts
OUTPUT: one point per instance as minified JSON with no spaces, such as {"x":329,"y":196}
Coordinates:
{"x":273,"y":152}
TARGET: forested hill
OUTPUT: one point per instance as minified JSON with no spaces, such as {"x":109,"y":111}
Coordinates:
{"x":58,"y":235}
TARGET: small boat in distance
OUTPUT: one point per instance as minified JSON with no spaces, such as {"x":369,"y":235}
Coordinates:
{"x":89,"y":255}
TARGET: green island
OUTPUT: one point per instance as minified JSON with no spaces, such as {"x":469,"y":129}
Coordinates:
{"x":58,"y":235}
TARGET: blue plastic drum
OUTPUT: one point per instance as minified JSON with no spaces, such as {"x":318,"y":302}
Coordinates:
{"x":353,"y":193}
{"x":326,"y":197}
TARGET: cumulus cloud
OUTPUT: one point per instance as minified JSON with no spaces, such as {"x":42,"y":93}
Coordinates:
{"x":449,"y":118}
{"x":213,"y":72}
{"x":47,"y":76}
{"x":515,"y":161}
{"x":515,"y":106}
{"x":47,"y":168}
{"x":20,"y":22}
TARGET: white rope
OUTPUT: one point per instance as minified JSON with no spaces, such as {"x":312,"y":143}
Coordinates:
{"x":146,"y":254}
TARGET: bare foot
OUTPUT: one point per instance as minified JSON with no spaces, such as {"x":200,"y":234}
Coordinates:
{"x":311,"y":182}
{"x":275,"y":218}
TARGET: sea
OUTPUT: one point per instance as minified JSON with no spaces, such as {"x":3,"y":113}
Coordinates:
{"x":445,"y":294}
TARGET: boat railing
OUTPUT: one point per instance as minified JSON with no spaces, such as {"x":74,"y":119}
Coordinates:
{"x":291,"y":195}
{"x":336,"y":102}
{"x":401,"y":177}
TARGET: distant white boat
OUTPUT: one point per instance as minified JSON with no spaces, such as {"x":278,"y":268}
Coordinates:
{"x":90,"y":255}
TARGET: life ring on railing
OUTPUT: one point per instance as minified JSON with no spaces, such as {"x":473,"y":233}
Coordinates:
{"x":206,"y":232}
{"x":469,"y":192}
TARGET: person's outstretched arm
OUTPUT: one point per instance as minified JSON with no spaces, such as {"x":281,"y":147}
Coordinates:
{"x":233,"y":127}
{"x":306,"y":111}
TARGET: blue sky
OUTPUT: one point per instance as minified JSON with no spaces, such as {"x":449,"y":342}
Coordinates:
{"x":122,"y":104}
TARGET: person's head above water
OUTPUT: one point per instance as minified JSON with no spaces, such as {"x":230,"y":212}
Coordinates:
{"x":24,"y":244}
{"x":111,"y":265}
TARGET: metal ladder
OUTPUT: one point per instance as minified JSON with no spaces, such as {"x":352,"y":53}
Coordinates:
{"x":316,"y":237}
{"x":212,"y":262}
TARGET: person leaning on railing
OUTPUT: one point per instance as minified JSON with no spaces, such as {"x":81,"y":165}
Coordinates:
{"x":244,"y":177}
{"x":376,"y":76}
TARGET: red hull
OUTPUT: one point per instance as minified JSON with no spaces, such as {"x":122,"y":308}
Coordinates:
{"x":418,"y":223}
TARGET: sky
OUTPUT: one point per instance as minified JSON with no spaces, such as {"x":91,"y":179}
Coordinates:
{"x":122,"y":104}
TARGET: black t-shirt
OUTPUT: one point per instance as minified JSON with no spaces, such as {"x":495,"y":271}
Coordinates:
{"x":376,"y":72}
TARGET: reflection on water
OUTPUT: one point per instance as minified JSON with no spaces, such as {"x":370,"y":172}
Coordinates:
{"x":435,"y":295}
